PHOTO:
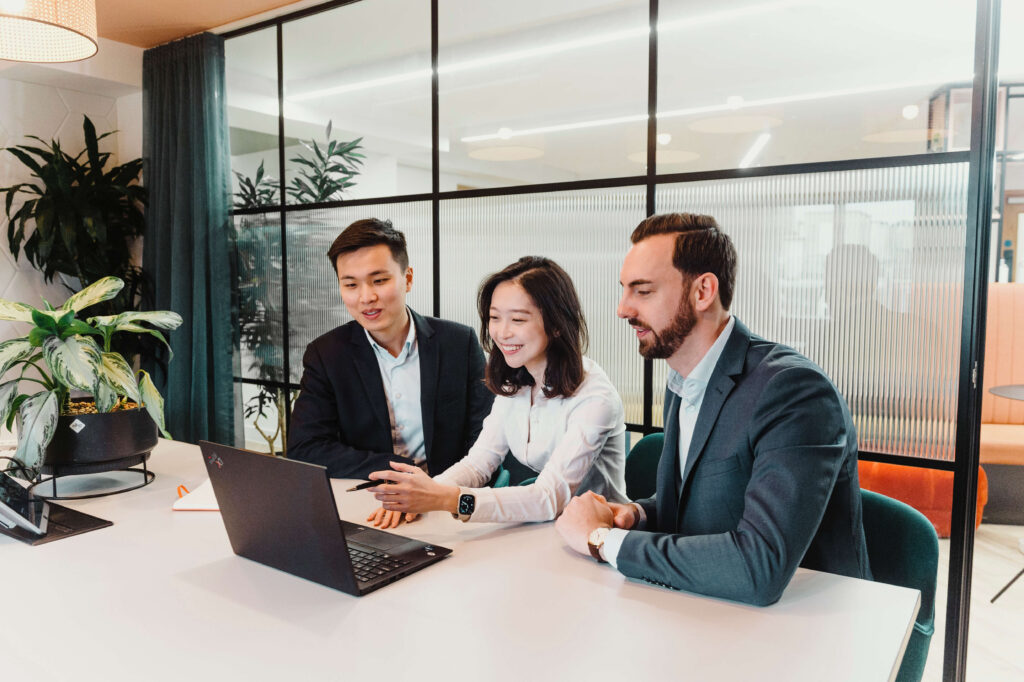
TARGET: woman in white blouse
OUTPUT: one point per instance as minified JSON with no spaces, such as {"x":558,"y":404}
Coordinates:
{"x":555,"y":410}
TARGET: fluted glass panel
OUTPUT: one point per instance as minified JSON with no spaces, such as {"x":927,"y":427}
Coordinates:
{"x":260,"y":309}
{"x":862,"y":271}
{"x":314,"y":304}
{"x":586,"y":232}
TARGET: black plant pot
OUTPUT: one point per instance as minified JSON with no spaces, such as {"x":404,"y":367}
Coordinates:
{"x":93,"y":443}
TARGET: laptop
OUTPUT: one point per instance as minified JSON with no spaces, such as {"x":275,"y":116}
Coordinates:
{"x":281,"y":513}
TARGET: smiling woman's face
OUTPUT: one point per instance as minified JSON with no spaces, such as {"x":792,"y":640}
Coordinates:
{"x":517,"y":328}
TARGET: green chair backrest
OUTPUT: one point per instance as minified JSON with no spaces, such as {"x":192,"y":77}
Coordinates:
{"x":904,"y":550}
{"x":642,"y":466}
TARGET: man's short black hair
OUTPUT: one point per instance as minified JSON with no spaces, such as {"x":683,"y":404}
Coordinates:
{"x":370,"y":232}
{"x":701,"y":247}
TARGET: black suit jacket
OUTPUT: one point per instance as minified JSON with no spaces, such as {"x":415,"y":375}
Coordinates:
{"x":340,"y":419}
{"x":770,"y":482}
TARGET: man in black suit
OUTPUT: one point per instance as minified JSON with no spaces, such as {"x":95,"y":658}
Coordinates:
{"x":759,"y":469}
{"x":391,"y":385}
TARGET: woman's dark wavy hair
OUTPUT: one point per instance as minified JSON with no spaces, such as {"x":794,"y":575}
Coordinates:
{"x":553,"y":293}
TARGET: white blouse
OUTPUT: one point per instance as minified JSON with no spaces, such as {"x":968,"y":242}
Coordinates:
{"x":576,"y":443}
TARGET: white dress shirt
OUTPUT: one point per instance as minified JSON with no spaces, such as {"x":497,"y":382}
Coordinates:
{"x":401,"y":376}
{"x":691,"y":390}
{"x":576,"y":443}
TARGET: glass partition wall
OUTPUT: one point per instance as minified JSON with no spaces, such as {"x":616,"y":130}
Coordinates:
{"x":832,"y":141}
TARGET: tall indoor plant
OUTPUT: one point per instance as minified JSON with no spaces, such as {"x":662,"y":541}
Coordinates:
{"x":60,"y":355}
{"x":80,"y":218}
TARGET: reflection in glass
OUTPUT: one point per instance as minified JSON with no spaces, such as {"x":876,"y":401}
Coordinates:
{"x":363,"y":69}
{"x":251,"y":83}
{"x":546,"y":92}
{"x":862,"y":271}
{"x":758,"y":83}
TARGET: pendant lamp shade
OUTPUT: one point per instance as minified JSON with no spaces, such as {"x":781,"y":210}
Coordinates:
{"x":47,"y":30}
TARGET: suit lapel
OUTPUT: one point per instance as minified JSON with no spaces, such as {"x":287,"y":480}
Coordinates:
{"x":430,"y":356}
{"x":369,"y":374}
{"x":668,"y":466}
{"x":730,"y":364}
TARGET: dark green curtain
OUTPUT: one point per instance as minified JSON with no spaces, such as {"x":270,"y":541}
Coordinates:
{"x":188,"y":237}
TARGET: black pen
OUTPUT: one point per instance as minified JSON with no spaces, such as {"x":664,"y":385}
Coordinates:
{"x":368,"y":484}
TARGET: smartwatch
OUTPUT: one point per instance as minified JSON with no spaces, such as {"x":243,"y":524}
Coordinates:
{"x":467,"y":504}
{"x":595,"y":542}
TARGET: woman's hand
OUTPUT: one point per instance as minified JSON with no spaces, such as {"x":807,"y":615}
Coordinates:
{"x":412,"y":491}
{"x":382,"y":518}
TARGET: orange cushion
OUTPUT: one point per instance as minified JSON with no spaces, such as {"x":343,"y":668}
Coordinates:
{"x":1002,"y":443}
{"x":930,"y":491}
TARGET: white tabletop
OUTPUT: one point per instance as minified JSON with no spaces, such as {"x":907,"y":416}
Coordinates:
{"x":160,"y":596}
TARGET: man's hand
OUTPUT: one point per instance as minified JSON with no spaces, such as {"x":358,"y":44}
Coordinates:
{"x":626,"y":515}
{"x":581,"y":516}
{"x":382,"y":518}
{"x":412,"y":491}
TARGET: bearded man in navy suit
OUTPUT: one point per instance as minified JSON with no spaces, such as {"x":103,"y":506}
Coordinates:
{"x":758,"y":474}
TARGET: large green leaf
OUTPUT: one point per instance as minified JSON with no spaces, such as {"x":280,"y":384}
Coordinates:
{"x":152,"y":401}
{"x":104,"y":395}
{"x":120,"y":376}
{"x":8,"y":392}
{"x":12,"y":352}
{"x":161,"y":319}
{"x":38,"y":423}
{"x":100,"y":290}
{"x":74,"y":361}
{"x":18,"y":312}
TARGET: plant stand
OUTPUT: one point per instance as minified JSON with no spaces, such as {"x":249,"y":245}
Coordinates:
{"x":126,"y":464}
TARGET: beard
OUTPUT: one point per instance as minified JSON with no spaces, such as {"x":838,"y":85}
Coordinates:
{"x":662,"y":344}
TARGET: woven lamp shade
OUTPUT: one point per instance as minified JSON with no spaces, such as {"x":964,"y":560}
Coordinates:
{"x":47,"y":30}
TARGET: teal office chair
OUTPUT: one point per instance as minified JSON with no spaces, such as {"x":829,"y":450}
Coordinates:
{"x":528,"y":481}
{"x":501,"y":480}
{"x":904,"y":550}
{"x":642,"y":466}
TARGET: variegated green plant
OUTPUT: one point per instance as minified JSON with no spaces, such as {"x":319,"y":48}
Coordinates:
{"x":64,"y":352}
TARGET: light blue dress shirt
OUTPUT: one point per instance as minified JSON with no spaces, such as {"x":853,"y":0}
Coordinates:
{"x":401,"y":377}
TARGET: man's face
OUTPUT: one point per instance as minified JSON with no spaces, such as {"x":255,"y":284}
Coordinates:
{"x":373,"y":288}
{"x":655,"y":298}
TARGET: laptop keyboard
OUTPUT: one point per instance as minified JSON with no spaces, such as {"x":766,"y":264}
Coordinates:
{"x":371,"y":564}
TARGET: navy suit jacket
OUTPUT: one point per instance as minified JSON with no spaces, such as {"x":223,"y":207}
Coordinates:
{"x":341,"y":421}
{"x":770,"y":482}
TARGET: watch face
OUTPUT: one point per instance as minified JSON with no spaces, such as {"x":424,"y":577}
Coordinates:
{"x":466,"y":504}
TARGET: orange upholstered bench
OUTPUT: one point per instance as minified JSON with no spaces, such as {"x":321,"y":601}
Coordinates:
{"x":930,"y":491}
{"x":1002,"y":419}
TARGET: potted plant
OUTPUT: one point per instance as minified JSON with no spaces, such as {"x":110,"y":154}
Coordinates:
{"x":326,"y":174}
{"x":79,"y":218}
{"x":61,"y":354}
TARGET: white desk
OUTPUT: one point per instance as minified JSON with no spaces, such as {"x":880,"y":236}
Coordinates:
{"x":160,"y":596}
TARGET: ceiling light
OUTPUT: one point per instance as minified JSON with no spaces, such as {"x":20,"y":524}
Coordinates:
{"x":754,"y":150}
{"x":713,"y":108}
{"x":665,"y":157}
{"x":506,"y":153}
{"x":899,"y":136}
{"x":730,"y":125}
{"x":548,"y":49}
{"x":728,"y":15}
{"x":47,"y":30}
{"x":506,"y":133}
{"x":911,"y":111}
{"x":664,"y":138}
